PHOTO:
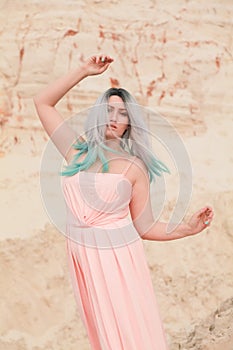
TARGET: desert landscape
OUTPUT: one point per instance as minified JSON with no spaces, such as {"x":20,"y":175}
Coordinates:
{"x":176,"y":58}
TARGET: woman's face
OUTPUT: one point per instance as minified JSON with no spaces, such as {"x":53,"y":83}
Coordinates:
{"x":118,"y":118}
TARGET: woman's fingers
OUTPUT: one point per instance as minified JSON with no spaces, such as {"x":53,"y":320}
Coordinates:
{"x":98,"y":58}
{"x":207,"y":215}
{"x":104,"y":59}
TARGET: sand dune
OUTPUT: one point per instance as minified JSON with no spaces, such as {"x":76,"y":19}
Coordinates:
{"x":176,"y":58}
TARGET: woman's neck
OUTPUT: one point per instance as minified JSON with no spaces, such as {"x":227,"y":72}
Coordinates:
{"x":114,"y":144}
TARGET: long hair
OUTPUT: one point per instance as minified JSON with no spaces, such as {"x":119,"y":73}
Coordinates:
{"x":135,"y":140}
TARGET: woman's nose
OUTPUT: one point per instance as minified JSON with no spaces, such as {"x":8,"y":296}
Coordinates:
{"x":113,"y":116}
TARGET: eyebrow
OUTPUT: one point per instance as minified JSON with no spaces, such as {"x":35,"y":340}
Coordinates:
{"x":120,"y":109}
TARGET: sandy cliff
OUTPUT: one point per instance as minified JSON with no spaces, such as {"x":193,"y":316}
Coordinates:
{"x":176,"y":58}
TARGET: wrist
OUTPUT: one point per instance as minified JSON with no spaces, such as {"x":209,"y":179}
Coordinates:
{"x":80,"y":73}
{"x":189,"y":230}
{"x":183,"y":230}
{"x":83,"y":70}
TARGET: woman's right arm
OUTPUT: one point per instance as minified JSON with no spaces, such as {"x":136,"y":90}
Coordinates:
{"x":46,"y":100}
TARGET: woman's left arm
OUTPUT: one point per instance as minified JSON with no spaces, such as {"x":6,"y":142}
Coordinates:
{"x":143,"y":219}
{"x":161,"y":231}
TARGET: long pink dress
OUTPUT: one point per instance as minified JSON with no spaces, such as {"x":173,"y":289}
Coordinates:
{"x":109,"y":271}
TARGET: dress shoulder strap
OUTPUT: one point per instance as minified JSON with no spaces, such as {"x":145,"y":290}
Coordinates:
{"x":132,"y":161}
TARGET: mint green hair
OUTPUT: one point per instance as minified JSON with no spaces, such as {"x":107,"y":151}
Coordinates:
{"x":135,"y":139}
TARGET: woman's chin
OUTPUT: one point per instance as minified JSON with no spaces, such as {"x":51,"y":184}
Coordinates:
{"x":111,"y":136}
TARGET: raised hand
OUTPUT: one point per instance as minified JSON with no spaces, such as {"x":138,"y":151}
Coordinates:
{"x":97,"y":64}
{"x":200,"y":220}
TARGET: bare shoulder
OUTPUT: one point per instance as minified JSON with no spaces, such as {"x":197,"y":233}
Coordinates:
{"x":138,"y":165}
{"x":138,"y":170}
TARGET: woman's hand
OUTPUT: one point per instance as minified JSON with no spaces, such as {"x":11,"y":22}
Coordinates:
{"x":97,"y":64}
{"x":200,"y":220}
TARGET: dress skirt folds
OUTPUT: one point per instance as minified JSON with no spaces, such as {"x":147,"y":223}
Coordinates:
{"x":109,"y":272}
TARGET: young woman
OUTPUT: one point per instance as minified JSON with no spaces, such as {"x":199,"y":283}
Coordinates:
{"x":108,"y":177}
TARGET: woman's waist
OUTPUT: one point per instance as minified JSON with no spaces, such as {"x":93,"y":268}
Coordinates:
{"x":102,"y":223}
{"x":108,"y":235}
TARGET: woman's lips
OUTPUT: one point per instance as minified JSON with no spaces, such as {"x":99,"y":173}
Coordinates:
{"x":112,"y":126}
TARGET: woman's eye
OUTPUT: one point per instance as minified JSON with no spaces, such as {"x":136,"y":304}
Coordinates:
{"x":124,"y":114}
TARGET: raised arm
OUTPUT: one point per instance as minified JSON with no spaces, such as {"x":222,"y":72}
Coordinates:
{"x":45,"y":102}
{"x":142,"y":214}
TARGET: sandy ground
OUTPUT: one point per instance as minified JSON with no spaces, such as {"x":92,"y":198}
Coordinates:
{"x":185,"y":73}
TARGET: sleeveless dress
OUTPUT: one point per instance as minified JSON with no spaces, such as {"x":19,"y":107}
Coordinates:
{"x":109,"y":272}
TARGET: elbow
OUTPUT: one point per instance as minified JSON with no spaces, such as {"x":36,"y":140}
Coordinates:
{"x":145,"y":236}
{"x":40,"y":99}
{"x":36,"y":100}
{"x":38,"y":107}
{"x":143,"y":229}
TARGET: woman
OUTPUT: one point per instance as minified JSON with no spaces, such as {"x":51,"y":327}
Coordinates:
{"x":108,"y":175}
